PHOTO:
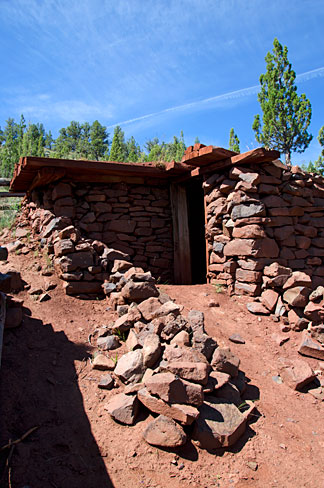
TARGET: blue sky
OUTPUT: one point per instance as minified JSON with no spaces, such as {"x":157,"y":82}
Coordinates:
{"x":156,"y":67}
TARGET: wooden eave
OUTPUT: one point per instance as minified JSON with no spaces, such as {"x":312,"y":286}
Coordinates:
{"x":32,"y":172}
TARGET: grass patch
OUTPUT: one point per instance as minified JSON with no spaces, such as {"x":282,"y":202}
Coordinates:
{"x":9,"y":207}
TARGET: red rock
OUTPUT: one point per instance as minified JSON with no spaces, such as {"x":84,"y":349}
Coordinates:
{"x":249,"y":232}
{"x":152,"y":350}
{"x":297,"y":296}
{"x":298,"y":278}
{"x":61,"y":190}
{"x":172,"y":389}
{"x":306,"y":230}
{"x":196,"y":372}
{"x":296,"y":373}
{"x":123,"y":226}
{"x":240,"y":247}
{"x":274,"y":201}
{"x":62,"y":247}
{"x":247,"y":289}
{"x":188,"y":354}
{"x":123,"y":408}
{"x":164,"y":432}
{"x":269,"y":299}
{"x":83,"y":287}
{"x":140,"y":291}
{"x":216,"y":380}
{"x":257,"y":308}
{"x":225,"y":361}
{"x":282,"y":233}
{"x":220,"y":424}
{"x":248,"y":276}
{"x":149,"y":307}
{"x":130,"y":368}
{"x":185,"y":414}
{"x":303,"y":242}
{"x":310,"y":347}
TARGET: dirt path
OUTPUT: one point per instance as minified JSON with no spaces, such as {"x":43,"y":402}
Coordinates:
{"x":46,"y":380}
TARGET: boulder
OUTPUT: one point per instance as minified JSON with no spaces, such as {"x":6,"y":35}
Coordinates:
{"x":83,"y":287}
{"x":106,"y":382}
{"x":172,"y":389}
{"x":152,"y":350}
{"x":181,"y":339}
{"x":149,"y":307}
{"x":269,"y":299}
{"x":275,"y":269}
{"x":225,"y":361}
{"x":164,"y":432}
{"x":314,"y":312}
{"x":310,"y":347}
{"x":123,"y":408}
{"x":196,"y":320}
{"x":130,"y":368}
{"x":298,"y":278}
{"x":173,"y":353}
{"x":195,"y":372}
{"x":247,"y":209}
{"x":204,"y":344}
{"x":108,"y":343}
{"x":139,"y":291}
{"x":295,"y":373}
{"x":257,"y":308}
{"x":102,"y":363}
{"x":220,"y":424}
{"x":121,"y":265}
{"x":63,"y":247}
{"x":216,"y":380}
{"x":297,"y":296}
{"x":185,"y":414}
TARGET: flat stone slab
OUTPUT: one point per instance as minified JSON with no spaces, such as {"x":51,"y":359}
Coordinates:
{"x":220,"y":424}
{"x":185,"y":414}
{"x":164,"y":432}
{"x":173,"y":389}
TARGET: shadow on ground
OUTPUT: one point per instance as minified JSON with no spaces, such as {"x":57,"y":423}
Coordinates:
{"x":38,"y":387}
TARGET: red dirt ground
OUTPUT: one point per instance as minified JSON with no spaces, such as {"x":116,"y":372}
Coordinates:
{"x":46,"y":380}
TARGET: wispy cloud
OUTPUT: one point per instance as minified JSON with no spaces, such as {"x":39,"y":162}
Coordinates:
{"x":207,"y":102}
{"x":43,"y":107}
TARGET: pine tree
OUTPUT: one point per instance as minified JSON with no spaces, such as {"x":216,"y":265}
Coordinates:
{"x":234,"y":142}
{"x":286,"y":116}
{"x":98,"y":140}
{"x":320,"y":138}
{"x":133,"y":150}
{"x":9,"y":150}
{"x":118,"y":150}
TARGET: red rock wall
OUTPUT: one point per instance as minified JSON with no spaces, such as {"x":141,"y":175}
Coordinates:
{"x":134,"y":219}
{"x":261,"y":214}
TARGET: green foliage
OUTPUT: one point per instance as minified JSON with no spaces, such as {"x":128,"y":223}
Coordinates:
{"x":166,"y":151}
{"x":286,"y":116}
{"x":118,"y":150}
{"x":320,"y":138}
{"x":234,"y":142}
{"x":318,"y":165}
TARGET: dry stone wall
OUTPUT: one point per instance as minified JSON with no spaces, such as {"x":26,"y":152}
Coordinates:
{"x":259,"y":215}
{"x":88,"y":226}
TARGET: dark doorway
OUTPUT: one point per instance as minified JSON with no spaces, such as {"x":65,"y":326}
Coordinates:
{"x":196,"y":224}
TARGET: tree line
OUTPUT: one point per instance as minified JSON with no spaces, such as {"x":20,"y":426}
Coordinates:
{"x":80,"y":141}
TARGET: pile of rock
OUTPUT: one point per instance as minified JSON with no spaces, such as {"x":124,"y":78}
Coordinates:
{"x":10,"y":308}
{"x":261,"y":214}
{"x":173,"y":368}
{"x":288,"y":295}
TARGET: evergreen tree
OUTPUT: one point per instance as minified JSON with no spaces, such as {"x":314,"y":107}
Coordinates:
{"x":118,"y":150}
{"x":234,"y":142}
{"x":67,"y":142}
{"x":33,"y":142}
{"x":197,"y":141}
{"x":9,"y":150}
{"x":98,"y":140}
{"x":83,"y":146}
{"x":133,"y":150}
{"x":320,"y":138}
{"x":286,"y":116}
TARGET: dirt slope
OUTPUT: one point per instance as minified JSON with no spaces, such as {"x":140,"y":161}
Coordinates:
{"x":46,"y":380}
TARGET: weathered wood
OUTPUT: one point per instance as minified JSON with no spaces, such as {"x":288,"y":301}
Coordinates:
{"x":182,"y":255}
{"x":2,"y":319}
{"x":4,"y":182}
{"x":47,"y":175}
{"x":256,"y":156}
{"x":8,"y":194}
